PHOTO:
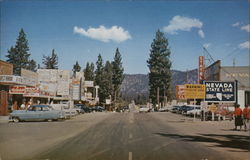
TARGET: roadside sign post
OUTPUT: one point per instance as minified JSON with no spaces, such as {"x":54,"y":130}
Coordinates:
{"x":212,"y":108}
{"x":194,"y":109}
{"x":212,"y":116}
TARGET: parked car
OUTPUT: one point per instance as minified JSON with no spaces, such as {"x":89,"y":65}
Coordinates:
{"x":185,"y":108}
{"x":84,"y":109}
{"x":175,"y":109}
{"x":195,"y":111}
{"x":166,"y":109}
{"x":37,"y":113}
{"x":143,"y":109}
{"x":69,"y":112}
{"x":98,"y":109}
{"x":78,"y":108}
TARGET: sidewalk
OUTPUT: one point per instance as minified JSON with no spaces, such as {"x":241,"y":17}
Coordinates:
{"x":4,"y":119}
{"x":218,"y":135}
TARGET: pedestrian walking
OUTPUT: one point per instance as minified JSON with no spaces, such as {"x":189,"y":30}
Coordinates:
{"x":238,"y":117}
{"x":246,"y":116}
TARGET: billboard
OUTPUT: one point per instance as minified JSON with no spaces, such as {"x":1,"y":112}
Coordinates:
{"x":47,"y":75}
{"x":63,"y":88}
{"x":194,"y":91}
{"x":29,"y":78}
{"x":218,"y":91}
{"x":76,"y":92}
{"x":88,"y":83}
{"x":180,"y":92}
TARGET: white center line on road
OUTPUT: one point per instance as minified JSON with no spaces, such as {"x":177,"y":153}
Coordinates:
{"x":129,"y":155}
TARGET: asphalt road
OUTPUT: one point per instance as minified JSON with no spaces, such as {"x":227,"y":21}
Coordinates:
{"x":128,"y":136}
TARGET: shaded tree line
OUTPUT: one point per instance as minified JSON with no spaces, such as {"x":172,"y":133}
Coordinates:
{"x":107,"y":75}
{"x":19,"y":56}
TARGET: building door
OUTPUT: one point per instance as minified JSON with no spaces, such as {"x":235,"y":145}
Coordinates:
{"x":247,"y":98}
{"x":3,"y":103}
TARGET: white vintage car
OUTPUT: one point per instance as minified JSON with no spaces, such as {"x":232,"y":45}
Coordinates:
{"x":143,"y":109}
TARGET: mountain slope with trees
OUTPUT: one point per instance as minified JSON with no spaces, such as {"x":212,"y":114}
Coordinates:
{"x":135,"y":86}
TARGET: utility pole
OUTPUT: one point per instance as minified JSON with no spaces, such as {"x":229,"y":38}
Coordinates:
{"x":164,"y":96}
{"x":158,"y":98}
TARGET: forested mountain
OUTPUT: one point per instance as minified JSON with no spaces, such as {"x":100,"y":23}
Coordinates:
{"x":135,"y":86}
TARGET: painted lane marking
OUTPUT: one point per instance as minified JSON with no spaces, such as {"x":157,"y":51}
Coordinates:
{"x":130,"y":156}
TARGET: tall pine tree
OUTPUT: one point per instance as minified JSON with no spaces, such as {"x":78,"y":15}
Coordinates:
{"x":51,"y":62}
{"x":159,"y":66}
{"x":99,"y":70}
{"x":106,"y":85}
{"x":89,"y":72}
{"x":117,"y":74}
{"x":76,"y":67}
{"x":99,"y":76}
{"x":19,"y":55}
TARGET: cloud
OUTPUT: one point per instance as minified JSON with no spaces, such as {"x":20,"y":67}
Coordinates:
{"x":246,"y":28}
{"x":206,"y":45}
{"x":115,"y":33}
{"x":236,"y":24}
{"x":201,"y":33}
{"x":245,"y":45}
{"x":181,"y":23}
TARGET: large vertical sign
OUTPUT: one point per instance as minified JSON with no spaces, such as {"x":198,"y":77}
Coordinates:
{"x":218,"y":91}
{"x":201,"y":69}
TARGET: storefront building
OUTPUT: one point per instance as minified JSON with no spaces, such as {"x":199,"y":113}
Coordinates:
{"x":43,"y":87}
{"x":240,"y":74}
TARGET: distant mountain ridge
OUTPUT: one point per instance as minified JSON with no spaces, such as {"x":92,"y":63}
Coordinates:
{"x":137,"y":84}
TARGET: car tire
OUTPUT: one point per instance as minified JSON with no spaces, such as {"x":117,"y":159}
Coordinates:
{"x":16,"y":119}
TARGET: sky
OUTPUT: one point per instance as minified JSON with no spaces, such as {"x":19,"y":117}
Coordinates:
{"x":80,"y":30}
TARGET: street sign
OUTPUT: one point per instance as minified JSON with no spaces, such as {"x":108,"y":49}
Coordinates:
{"x":194,"y":91}
{"x":212,"y":108}
{"x":217,"y":91}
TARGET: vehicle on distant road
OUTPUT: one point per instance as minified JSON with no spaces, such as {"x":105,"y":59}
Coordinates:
{"x":143,"y":109}
{"x":175,"y":109}
{"x":78,"y":109}
{"x":83,"y":109}
{"x":98,"y":109}
{"x":69,"y":112}
{"x":37,"y":113}
{"x":194,"y":111}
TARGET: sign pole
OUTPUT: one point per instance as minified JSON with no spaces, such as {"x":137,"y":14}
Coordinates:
{"x":212,"y":116}
{"x":236,"y":91}
{"x":194,"y":108}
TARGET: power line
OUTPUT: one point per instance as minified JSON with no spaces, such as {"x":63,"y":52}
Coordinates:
{"x":220,"y":67}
